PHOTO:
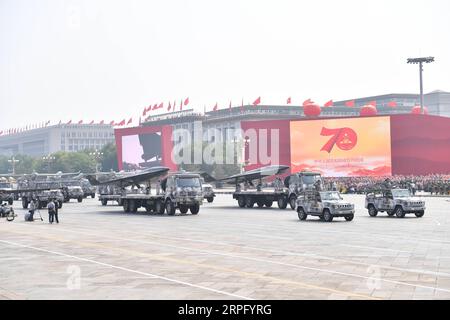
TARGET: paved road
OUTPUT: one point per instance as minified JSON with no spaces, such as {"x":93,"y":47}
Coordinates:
{"x":225,"y":253}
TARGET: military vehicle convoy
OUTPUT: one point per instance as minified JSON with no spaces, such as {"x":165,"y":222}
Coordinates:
{"x":326,"y":205}
{"x":45,"y":191}
{"x":393,"y":201}
{"x":298,"y":182}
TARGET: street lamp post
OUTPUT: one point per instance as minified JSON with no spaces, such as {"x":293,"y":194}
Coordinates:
{"x":97,"y":155}
{"x":420,"y":62}
{"x":13,"y":161}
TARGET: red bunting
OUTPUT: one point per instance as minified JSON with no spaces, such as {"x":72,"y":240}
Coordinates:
{"x":350,"y":104}
{"x":329,"y":104}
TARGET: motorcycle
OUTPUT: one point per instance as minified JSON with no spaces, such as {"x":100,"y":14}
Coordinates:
{"x":7,"y":212}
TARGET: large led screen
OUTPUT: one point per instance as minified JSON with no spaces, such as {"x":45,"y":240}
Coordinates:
{"x":144,"y":147}
{"x":342,"y":147}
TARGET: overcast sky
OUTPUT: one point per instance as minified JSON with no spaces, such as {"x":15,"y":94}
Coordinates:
{"x":107,"y":60}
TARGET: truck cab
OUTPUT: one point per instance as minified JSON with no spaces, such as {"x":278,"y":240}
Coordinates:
{"x":4,"y":196}
{"x":302,"y":181}
{"x":208,"y":191}
{"x":182,"y":191}
{"x":396,"y":202}
{"x":324,"y":204}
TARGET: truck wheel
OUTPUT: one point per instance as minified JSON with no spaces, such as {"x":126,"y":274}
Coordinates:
{"x":241,"y":201}
{"x":80,"y":199}
{"x":268,"y":203}
{"x":24,"y":202}
{"x":390,"y":213}
{"x":10,"y":201}
{"x":292,"y":200}
{"x":195,"y":208}
{"x":420,"y":214}
{"x":159,"y":207}
{"x":260,"y":203}
{"x":249,"y":203}
{"x":282,"y":202}
{"x":372,"y":211}
{"x":104,"y":202}
{"x":126,"y":207}
{"x":170,"y":208}
{"x":210,"y":199}
{"x":327,"y":216}
{"x":301,"y":214}
{"x":349,"y":218}
{"x":184,"y":208}
{"x":132,"y":205}
{"x":93,"y":196}
{"x":399,"y":212}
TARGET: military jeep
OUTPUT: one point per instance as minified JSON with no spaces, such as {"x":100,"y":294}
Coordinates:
{"x":396,"y":202}
{"x":182,"y":191}
{"x":324,"y":204}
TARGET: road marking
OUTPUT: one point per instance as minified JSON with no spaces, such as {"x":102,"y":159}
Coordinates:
{"x":192,"y":263}
{"x":259,"y":260}
{"x":154,"y":276}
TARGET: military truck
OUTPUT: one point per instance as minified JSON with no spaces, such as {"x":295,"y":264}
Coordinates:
{"x":326,"y":205}
{"x":393,"y":201}
{"x":208,"y":192}
{"x":108,"y":193}
{"x":301,"y":181}
{"x":182,"y":191}
{"x":5,"y":196}
{"x":72,"y":190}
{"x":88,"y":189}
{"x":49,"y":190}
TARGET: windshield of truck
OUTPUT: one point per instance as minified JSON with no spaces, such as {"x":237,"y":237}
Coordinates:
{"x":188,"y":182}
{"x":332,"y":195}
{"x":310,"y":179}
{"x":401,"y":193}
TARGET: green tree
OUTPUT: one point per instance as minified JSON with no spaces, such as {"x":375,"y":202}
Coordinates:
{"x":109,"y":157}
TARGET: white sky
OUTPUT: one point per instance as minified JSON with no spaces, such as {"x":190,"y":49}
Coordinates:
{"x":107,"y":60}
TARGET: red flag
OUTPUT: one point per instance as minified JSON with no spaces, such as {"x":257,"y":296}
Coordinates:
{"x":181,"y":105}
{"x":373,"y":103}
{"x":215,"y":107}
{"x":92,"y":122}
{"x":306,"y":102}
{"x":149,"y":108}
{"x":1,"y":132}
{"x":392,"y":104}
{"x":102,"y":122}
{"x":329,"y":103}
{"x":155,"y":107}
{"x":186,"y":101}
{"x":288,"y":100}
{"x":80,"y":122}
{"x":121,"y":123}
{"x":350,"y":103}
{"x":257,"y":101}
{"x":144,"y":112}
{"x":161,"y":105}
{"x":69,"y":122}
{"x":130,"y":121}
{"x":169,"y":107}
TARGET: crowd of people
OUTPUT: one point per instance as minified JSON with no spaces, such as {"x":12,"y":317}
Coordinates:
{"x":433,"y":184}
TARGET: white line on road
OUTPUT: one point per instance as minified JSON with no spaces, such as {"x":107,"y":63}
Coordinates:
{"x":126,"y":269}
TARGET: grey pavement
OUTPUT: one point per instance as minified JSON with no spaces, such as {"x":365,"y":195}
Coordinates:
{"x":225,"y":252}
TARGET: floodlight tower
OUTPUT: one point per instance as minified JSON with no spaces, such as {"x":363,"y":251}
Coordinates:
{"x":420,"y":62}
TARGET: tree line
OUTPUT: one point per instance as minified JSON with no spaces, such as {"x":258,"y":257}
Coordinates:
{"x":62,"y":161}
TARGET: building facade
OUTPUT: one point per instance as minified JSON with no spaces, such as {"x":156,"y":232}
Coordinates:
{"x":227,"y":121}
{"x":63,"y":137}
